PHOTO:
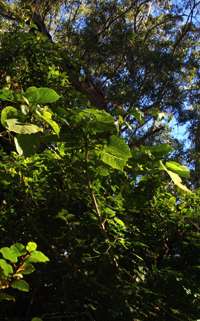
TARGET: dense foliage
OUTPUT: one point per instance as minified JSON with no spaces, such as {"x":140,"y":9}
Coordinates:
{"x":90,"y":169}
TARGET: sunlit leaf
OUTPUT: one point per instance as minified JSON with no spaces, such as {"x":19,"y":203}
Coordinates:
{"x":176,"y":179}
{"x":96,"y":120}
{"x":10,"y":254}
{"x":46,"y":114}
{"x":41,"y":95}
{"x":31,"y":246}
{"x":14,"y":125}
{"x":37,"y":257}
{"x":6,"y":267}
{"x":116,"y":153}
{"x":19,"y":248}
{"x":178,"y":168}
{"x":120,"y":222}
{"x":7,"y":113}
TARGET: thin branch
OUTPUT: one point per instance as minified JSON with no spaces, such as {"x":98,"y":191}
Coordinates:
{"x":150,"y":133}
{"x":92,"y":194}
{"x":186,"y":28}
{"x":122,"y":14}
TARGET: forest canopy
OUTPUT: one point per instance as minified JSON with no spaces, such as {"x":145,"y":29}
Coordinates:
{"x":99,"y":199}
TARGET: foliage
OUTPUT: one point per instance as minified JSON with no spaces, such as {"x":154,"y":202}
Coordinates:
{"x":16,"y":262}
{"x":97,"y":234}
{"x":89,"y":168}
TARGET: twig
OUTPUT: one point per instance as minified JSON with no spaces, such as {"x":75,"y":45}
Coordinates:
{"x":92,"y":194}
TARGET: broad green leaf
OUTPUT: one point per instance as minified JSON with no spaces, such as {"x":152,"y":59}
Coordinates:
{"x":28,"y":268}
{"x":36,"y":319}
{"x":6,"y":267}
{"x":176,"y":179}
{"x":14,"y":125}
{"x":10,"y":254}
{"x":6,"y":297}
{"x":6,"y":95}
{"x":161,"y":149}
{"x":37,"y":257}
{"x":18,"y":248}
{"x":46,"y":114}
{"x":27,"y":145}
{"x":179,"y":169}
{"x":20,"y":285}
{"x":7,"y":113}
{"x":157,"y":151}
{"x":96,"y":120}
{"x":31,"y":246}
{"x":42,"y":95}
{"x":116,"y":153}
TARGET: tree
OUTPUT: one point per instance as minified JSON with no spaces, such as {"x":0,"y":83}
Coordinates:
{"x":87,"y":172}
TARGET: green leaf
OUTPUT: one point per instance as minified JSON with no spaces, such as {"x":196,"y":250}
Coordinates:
{"x":19,"y":249}
{"x":109,"y":212}
{"x":28,"y":268}
{"x":36,"y":319}
{"x":31,"y":246}
{"x":6,"y":297}
{"x":179,"y":169}
{"x":160,"y":150}
{"x":176,"y":179}
{"x":116,"y":153}
{"x":10,"y":254}
{"x":42,"y":95}
{"x":46,"y":114}
{"x":37,"y":257}
{"x":96,"y":120}
{"x":6,"y":95}
{"x":14,"y":125}
{"x":6,"y":267}
{"x":178,"y":182}
{"x":20,"y":285}
{"x":7,"y":113}
{"x":27,"y":145}
{"x":18,"y":147}
{"x":157,"y":151}
{"x":120,"y":223}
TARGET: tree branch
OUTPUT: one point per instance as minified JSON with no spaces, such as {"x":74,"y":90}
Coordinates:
{"x":150,"y":133}
{"x":39,"y":22}
{"x":92,"y":194}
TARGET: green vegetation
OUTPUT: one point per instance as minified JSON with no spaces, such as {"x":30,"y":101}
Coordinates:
{"x":90,"y":170}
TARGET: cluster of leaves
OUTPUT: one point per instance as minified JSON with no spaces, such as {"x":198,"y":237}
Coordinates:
{"x":92,"y":122}
{"x":95,"y":223}
{"x":87,"y":168}
{"x":17,"y":262}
